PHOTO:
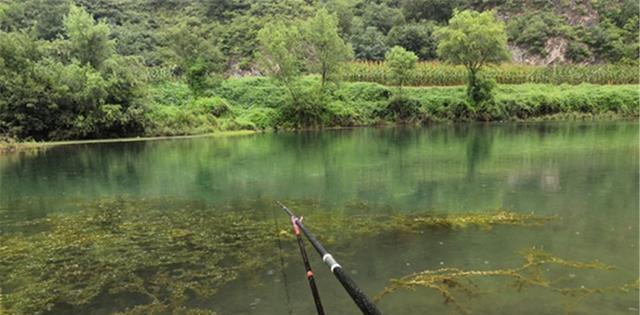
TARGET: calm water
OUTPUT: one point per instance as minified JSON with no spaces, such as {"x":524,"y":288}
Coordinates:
{"x":586,"y":173}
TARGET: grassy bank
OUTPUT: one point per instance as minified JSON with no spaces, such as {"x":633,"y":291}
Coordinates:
{"x":258,"y":103}
{"x":255,"y":103}
{"x":441,"y":74}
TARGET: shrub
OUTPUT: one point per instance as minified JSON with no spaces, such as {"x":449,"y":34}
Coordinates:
{"x":215,"y":106}
{"x":479,"y":88}
{"x":400,"y":108}
{"x":176,"y":120}
{"x":342,"y":114}
{"x":260,"y":117}
{"x":253,"y":92}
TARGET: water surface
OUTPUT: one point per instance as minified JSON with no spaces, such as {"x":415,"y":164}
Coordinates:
{"x":585,"y":173}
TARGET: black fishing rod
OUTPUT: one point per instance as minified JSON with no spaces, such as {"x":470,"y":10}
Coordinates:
{"x":307,"y":267}
{"x":363,"y":302}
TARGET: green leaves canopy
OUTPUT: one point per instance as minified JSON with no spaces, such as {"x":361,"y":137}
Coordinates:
{"x":324,"y":48}
{"x":473,"y":39}
{"x":401,"y":63}
{"x":90,"y":42}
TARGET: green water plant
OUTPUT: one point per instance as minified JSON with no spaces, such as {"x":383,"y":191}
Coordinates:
{"x":142,"y":256}
{"x":454,"y":283}
{"x":142,"y":261}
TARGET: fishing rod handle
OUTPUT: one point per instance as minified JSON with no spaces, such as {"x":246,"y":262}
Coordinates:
{"x":366,"y":306}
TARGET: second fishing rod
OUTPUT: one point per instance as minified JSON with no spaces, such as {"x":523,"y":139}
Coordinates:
{"x":362,"y":301}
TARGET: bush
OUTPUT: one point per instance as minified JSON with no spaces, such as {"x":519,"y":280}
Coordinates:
{"x":215,"y":106}
{"x":261,"y":118}
{"x":401,"y":108}
{"x":170,"y":93}
{"x":342,"y":114}
{"x":253,"y":91}
{"x":176,"y":120}
{"x":479,"y":88}
{"x":307,"y":111}
{"x":362,"y":91}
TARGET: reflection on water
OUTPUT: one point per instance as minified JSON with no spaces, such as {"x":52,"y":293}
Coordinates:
{"x":585,"y":173}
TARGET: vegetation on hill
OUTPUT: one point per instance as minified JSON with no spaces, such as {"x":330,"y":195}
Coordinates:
{"x":590,"y":30}
{"x":102,"y":69}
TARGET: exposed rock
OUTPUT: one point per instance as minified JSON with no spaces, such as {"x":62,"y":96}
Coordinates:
{"x":555,"y":49}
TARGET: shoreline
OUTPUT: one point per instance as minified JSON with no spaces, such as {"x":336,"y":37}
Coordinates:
{"x":18,"y":147}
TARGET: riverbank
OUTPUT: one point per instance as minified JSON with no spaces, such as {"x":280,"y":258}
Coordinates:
{"x":250,"y":104}
{"x":12,"y":146}
{"x":258,"y":103}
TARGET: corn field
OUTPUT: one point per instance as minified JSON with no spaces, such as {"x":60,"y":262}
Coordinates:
{"x":439,"y":74}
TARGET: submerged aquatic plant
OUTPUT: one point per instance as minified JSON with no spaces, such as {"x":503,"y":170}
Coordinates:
{"x":167,"y":256}
{"x":147,"y":259}
{"x":453,"y":283}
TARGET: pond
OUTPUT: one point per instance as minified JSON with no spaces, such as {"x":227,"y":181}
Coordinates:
{"x":220,"y":192}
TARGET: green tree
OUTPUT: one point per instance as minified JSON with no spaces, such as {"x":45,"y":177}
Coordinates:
{"x":381,"y":16}
{"x":415,"y":37}
{"x":324,"y":48}
{"x":196,"y":55}
{"x":89,"y":41}
{"x":434,"y":10}
{"x":42,"y":16}
{"x":474,"y":40}
{"x":280,"y":53}
{"x":47,"y":99}
{"x":401,"y":65}
{"x":369,"y":44}
{"x":343,"y":9}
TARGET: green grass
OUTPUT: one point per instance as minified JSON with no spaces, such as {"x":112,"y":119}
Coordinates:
{"x":258,"y":104}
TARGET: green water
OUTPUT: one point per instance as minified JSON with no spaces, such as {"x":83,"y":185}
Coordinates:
{"x":585,"y":173}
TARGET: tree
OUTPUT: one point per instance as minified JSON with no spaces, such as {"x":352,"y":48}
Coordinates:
{"x":474,"y":40}
{"x":369,"y":44}
{"x":415,"y":37}
{"x":196,"y":55}
{"x":280,"y":53}
{"x":436,"y":10}
{"x":47,"y":99}
{"x":343,"y":9}
{"x":381,"y":16}
{"x":90,"y":43}
{"x":42,"y":16}
{"x":324,"y":48}
{"x":401,"y":64}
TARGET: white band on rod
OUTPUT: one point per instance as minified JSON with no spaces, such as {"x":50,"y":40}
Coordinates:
{"x":328,"y":259}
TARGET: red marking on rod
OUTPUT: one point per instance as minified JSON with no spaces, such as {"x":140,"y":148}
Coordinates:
{"x":309,"y":274}
{"x":296,"y":229}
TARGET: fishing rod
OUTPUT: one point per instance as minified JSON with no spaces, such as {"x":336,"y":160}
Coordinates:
{"x":307,"y":267}
{"x":361,"y":300}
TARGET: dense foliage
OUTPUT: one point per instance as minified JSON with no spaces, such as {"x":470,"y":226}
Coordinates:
{"x":67,"y":88}
{"x":256,"y":103}
{"x":474,"y":40}
{"x":594,"y":30}
{"x":79,"y":69}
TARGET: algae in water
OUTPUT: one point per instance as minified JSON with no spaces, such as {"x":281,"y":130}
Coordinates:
{"x":454,"y":283}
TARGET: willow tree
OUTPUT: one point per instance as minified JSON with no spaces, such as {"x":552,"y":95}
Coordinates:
{"x":474,"y":39}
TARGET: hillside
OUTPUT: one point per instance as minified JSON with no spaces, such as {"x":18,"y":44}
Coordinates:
{"x":540,"y":31}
